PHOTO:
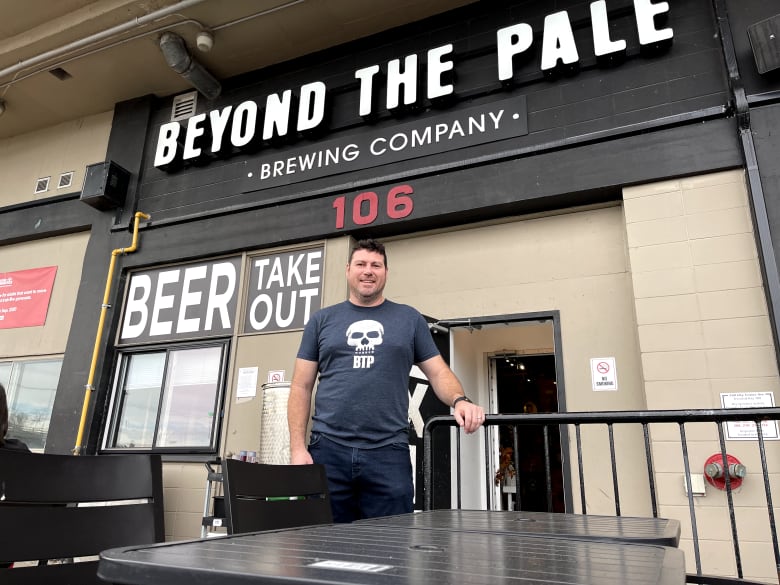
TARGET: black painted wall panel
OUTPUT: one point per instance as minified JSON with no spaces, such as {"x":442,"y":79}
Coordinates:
{"x":44,"y":219}
{"x":558,"y":178}
{"x":742,"y":14}
{"x":687,"y":79}
{"x":125,"y":147}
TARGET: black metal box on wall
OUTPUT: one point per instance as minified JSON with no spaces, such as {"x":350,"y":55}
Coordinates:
{"x":765,"y":41}
{"x":105,"y":185}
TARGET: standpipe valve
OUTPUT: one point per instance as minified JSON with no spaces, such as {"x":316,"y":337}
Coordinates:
{"x":715,"y":471}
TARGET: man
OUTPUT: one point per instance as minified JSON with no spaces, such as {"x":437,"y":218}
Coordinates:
{"x":363,"y":350}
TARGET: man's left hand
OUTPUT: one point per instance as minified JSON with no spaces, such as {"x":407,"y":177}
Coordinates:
{"x":469,"y":416}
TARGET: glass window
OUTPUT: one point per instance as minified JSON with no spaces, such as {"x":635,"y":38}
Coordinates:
{"x":139,"y":400}
{"x":167,"y":400}
{"x":30,"y":387}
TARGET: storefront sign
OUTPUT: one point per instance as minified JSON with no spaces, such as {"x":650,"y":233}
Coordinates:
{"x":746,"y":430}
{"x":372,"y":147}
{"x":24,"y":297}
{"x":409,"y":83}
{"x":284,"y":290}
{"x":181,"y":302}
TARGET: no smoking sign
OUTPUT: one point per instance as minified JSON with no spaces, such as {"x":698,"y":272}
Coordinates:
{"x":603,"y":374}
{"x":275,"y":376}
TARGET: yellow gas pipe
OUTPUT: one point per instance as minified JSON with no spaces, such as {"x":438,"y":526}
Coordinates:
{"x":89,"y":388}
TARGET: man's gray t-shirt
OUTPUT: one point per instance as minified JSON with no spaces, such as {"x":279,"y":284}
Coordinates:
{"x":365,"y":355}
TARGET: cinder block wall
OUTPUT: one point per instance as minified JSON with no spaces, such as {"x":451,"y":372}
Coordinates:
{"x":703,"y":330}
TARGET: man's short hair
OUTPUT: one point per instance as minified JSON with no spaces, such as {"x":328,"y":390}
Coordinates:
{"x":370,"y":245}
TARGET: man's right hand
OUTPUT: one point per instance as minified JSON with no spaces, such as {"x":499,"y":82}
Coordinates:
{"x":301,"y":457}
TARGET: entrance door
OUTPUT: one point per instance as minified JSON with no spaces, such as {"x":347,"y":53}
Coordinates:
{"x":509,"y":364}
{"x":526,"y":384}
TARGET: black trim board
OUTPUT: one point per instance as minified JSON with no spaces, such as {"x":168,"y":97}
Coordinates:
{"x":66,"y":412}
{"x":763,"y":122}
{"x":552,"y":180}
{"x":35,"y":222}
{"x":125,"y":147}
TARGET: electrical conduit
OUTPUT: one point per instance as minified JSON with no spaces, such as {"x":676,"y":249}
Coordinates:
{"x":88,"y":389}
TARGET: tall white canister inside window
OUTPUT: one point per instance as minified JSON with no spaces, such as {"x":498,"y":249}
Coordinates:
{"x":274,"y":433}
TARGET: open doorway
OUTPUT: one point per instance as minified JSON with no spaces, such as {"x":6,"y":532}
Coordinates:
{"x":495,"y":357}
{"x":525,"y":384}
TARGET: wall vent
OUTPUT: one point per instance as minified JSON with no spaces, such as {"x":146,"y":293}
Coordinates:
{"x":66,"y":180}
{"x":42,"y":185}
{"x":60,"y":73}
{"x":184,"y":106}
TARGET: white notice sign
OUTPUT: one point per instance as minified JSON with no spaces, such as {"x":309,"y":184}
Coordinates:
{"x":746,"y":430}
{"x":247,"y":383}
{"x":603,"y":374}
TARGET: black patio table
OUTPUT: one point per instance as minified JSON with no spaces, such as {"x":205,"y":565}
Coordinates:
{"x":373,"y":554}
{"x":665,"y":532}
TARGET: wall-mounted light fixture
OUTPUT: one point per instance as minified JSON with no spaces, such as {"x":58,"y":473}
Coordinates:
{"x":204,"y":41}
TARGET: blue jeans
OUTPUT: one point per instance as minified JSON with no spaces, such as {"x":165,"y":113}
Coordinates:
{"x":365,"y":483}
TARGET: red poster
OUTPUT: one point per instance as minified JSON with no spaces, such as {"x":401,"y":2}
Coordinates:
{"x":24,"y":297}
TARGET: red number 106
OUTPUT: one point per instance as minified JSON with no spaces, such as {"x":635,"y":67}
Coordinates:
{"x":365,"y":206}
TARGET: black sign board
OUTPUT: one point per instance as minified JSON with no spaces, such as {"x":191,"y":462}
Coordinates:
{"x":376,"y":146}
{"x":181,"y":302}
{"x":285,"y":289}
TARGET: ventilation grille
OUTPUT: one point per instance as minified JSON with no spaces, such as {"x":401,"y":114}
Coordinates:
{"x":60,"y":73}
{"x":66,"y":180}
{"x":42,"y":185}
{"x":184,"y":106}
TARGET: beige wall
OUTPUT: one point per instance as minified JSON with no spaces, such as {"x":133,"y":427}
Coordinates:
{"x":274,"y":351}
{"x":48,"y":153}
{"x":703,"y":330}
{"x":67,"y":254}
{"x":575,"y":263}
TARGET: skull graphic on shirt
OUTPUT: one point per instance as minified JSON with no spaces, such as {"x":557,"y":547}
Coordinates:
{"x":365,"y":336}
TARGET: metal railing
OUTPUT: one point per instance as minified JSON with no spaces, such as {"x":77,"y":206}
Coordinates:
{"x":576,"y":448}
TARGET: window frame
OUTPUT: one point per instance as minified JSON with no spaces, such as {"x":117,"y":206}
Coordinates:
{"x":114,"y":413}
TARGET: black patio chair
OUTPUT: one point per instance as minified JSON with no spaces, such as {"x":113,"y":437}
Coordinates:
{"x":58,"y":512}
{"x":267,"y":497}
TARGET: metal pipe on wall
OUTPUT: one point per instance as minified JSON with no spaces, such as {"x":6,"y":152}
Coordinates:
{"x":99,"y":36}
{"x":103,"y":35}
{"x":88,"y":389}
{"x":770,"y":272}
